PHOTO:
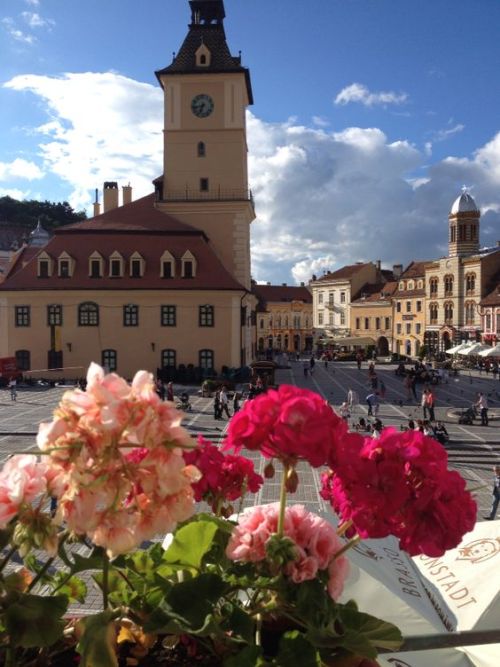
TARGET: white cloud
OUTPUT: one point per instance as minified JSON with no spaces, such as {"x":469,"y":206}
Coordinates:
{"x":15,"y":193}
{"x":103,"y":126}
{"x":33,"y":3}
{"x":19,"y":169}
{"x":442,"y":135}
{"x":319,"y":121}
{"x":357,"y":92}
{"x":15,"y":33}
{"x":324,"y":198}
{"x":34,"y":20}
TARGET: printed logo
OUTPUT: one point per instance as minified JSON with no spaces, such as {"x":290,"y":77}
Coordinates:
{"x":365,"y":550}
{"x":480,"y":550}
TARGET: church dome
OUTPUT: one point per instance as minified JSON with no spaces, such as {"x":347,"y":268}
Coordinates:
{"x":39,"y":236}
{"x":464,"y":204}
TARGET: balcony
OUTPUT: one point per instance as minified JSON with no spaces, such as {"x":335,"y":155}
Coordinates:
{"x":216,"y":194}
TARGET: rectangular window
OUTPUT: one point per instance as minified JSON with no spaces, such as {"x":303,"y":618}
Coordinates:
{"x":166,"y":270}
{"x":130,"y":315}
{"x":23,"y":316}
{"x":377,"y":323}
{"x":188,"y":269}
{"x":320,"y":318}
{"x":43,"y":269}
{"x":109,"y":360}
{"x":63,"y":268}
{"x":387,"y":323}
{"x":398,"y":328}
{"x":23,"y":360}
{"x":204,"y":184}
{"x":115,"y":268}
{"x":330,"y":298}
{"x":418,"y":328}
{"x":358,"y":323}
{"x":95,"y":268}
{"x":168,"y":316}
{"x":55,"y":359}
{"x":206,"y":316}
{"x":419,"y":306}
{"x":398,"y":307}
{"x":342,"y":319}
{"x":320,"y":297}
{"x":408,"y":328}
{"x":367,"y":322}
{"x":330,"y":319}
{"x":342,"y":297}
{"x":408,"y":306}
{"x":135,"y":268}
{"x":54,"y":315}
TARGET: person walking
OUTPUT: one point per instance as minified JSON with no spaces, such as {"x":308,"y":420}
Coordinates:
{"x":431,"y":400}
{"x":217,"y":405}
{"x":352,"y":400}
{"x":496,"y":494}
{"x":223,"y":398}
{"x":170,"y":391}
{"x":373,"y":404}
{"x":359,"y":359}
{"x":423,"y":403}
{"x":13,"y":389}
{"x":482,"y":405}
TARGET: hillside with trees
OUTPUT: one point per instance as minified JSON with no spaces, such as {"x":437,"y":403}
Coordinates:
{"x":27,"y":213}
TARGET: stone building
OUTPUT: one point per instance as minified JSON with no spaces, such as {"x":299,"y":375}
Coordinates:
{"x":284,"y":319}
{"x":371,"y":316}
{"x":456,"y":284}
{"x":408,"y":308}
{"x":490,"y":315}
{"x":162,"y":282}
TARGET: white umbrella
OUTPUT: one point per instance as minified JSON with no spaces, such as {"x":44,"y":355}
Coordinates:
{"x":457,"y":348}
{"x":491,"y":351}
{"x":473,"y":350}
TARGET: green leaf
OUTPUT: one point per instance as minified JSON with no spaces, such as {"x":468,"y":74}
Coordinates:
{"x":191,"y":543}
{"x":240,"y":624}
{"x":35,"y":621}
{"x":96,"y":645}
{"x":296,"y":651}
{"x":74,"y":588}
{"x":363,"y":633}
{"x":251,"y":656}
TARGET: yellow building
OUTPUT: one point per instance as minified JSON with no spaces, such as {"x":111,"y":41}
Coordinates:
{"x":371,"y":316}
{"x":162,"y":282}
{"x":408,"y":311}
{"x":284,"y":319}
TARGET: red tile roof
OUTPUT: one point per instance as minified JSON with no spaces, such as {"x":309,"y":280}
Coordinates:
{"x":345,"y":272}
{"x":281,"y":293}
{"x":136,"y":227}
{"x":378,"y":292}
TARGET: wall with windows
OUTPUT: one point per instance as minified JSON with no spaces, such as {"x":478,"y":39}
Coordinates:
{"x":127,"y":331}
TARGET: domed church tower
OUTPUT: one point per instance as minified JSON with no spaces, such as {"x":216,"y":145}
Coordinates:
{"x":205,"y":180}
{"x":464,"y":226}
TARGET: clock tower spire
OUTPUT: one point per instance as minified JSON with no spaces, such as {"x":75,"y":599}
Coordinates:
{"x":205,"y":177}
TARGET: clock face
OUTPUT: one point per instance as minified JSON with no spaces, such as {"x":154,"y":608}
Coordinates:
{"x":202,"y":105}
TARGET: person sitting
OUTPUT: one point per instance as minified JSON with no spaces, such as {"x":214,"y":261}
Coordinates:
{"x":440,"y":433}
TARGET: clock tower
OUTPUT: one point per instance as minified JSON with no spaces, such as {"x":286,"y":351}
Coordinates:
{"x":205,"y":176}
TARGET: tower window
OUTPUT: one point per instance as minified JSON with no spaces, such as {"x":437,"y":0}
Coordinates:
{"x":201,"y":149}
{"x":203,"y":60}
{"x":204,"y":184}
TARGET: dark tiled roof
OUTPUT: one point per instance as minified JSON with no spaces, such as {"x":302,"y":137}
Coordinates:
{"x":137,"y":227}
{"x":375,"y":293}
{"x":221,"y":60}
{"x":281,"y":293}
{"x":343,"y":273}
{"x":493,"y":298}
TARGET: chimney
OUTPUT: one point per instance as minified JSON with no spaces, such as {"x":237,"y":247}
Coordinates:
{"x":397,"y":270}
{"x":110,"y":195}
{"x":283,"y":284}
{"x":378,"y":264}
{"x":97,"y":206}
{"x":302,"y":284}
{"x":127,"y":194}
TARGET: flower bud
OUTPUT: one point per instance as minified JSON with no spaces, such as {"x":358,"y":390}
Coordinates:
{"x":269,"y":470}
{"x":292,"y":481}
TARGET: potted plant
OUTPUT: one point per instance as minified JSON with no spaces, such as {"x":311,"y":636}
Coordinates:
{"x":228,"y":588}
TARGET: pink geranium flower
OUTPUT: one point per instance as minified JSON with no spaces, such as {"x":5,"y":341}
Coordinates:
{"x":290,"y":424}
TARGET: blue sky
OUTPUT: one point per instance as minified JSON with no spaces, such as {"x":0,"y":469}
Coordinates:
{"x":369,"y":116}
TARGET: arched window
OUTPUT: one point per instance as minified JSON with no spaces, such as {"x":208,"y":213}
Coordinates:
{"x":201,"y":149}
{"x":433,"y":286}
{"x":23,"y":360}
{"x":448,"y":312}
{"x":448,"y":285}
{"x":470,"y":283}
{"x":433,"y":313}
{"x":88,"y":314}
{"x":206,"y":359}
{"x":168,"y":359}
{"x":470,"y":311}
{"x":109,"y":360}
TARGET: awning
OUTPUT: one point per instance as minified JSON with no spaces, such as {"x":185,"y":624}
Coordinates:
{"x":355,"y":340}
{"x":491,"y":351}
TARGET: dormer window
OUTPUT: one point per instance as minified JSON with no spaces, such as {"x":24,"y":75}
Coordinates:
{"x":136,"y":266}
{"x":203,"y":56}
{"x":96,"y":265}
{"x":410,"y":284}
{"x":65,"y":265}
{"x":116,"y":265}
{"x":167,"y":265}
{"x":44,"y":265}
{"x":188,"y":265}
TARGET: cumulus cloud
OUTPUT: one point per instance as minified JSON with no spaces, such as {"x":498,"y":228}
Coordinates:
{"x":19,"y":169}
{"x":324,"y":197}
{"x":103,"y":126}
{"x":359,"y":93}
{"x":16,"y":34}
{"x":34,"y":20}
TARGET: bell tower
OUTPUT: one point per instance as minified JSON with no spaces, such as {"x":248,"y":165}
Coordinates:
{"x":205,"y":174}
{"x":463,"y":226}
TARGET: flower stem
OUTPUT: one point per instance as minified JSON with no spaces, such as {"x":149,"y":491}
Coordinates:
{"x":352,"y":542}
{"x":344,"y":527}
{"x":281,"y":517}
{"x":41,"y":573}
{"x":105,"y":579}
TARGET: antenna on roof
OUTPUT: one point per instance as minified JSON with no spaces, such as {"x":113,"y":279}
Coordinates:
{"x":96,"y":196}
{"x":173,"y":56}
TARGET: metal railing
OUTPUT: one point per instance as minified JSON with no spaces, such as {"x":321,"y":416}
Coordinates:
{"x":216,"y":194}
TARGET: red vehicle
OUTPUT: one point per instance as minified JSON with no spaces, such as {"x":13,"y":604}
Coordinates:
{"x":8,"y":369}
